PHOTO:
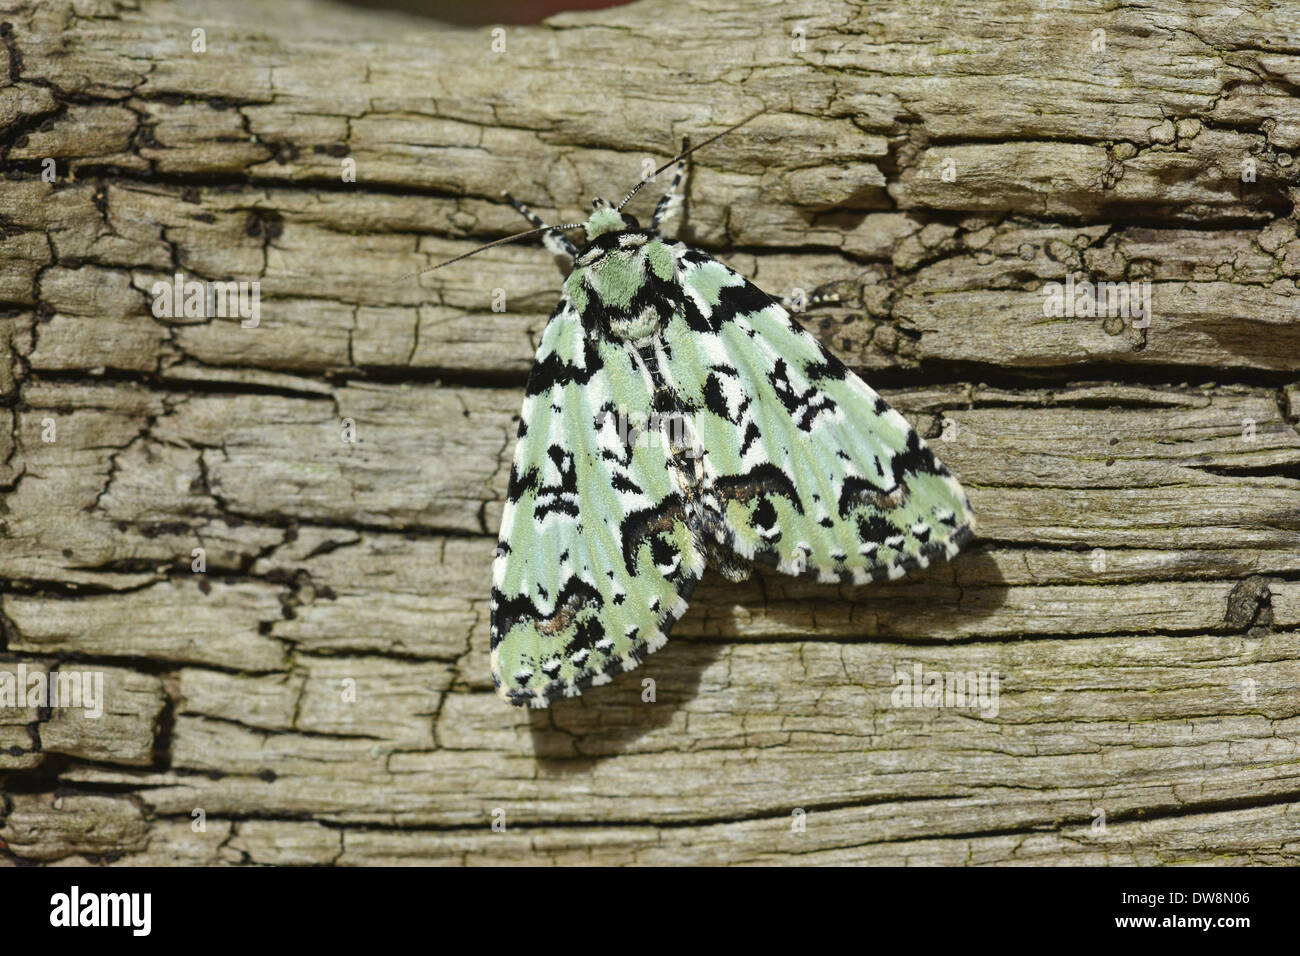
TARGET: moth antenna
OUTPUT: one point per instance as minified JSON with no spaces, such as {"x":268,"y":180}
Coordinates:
{"x":687,"y":152}
{"x":579,"y":225}
{"x":489,"y":245}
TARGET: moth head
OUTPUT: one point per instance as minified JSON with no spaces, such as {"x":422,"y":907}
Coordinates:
{"x":607,"y":218}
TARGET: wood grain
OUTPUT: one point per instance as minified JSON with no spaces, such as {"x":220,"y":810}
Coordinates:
{"x":318,"y":694}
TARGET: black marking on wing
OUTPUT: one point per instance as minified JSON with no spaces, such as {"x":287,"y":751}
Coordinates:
{"x":829,"y":369}
{"x":520,"y":483}
{"x":859,"y":491}
{"x":739,"y":299}
{"x":552,"y":370}
{"x":803,"y":406}
{"x":646,"y":524}
{"x":559,"y":498}
{"x":915,"y":459}
{"x":507,"y":612}
{"x":765,"y":516}
{"x":624,"y":484}
{"x":757,"y":481}
{"x":733,"y":300}
{"x":589,"y":631}
{"x":715,"y":399}
{"x":875,"y":528}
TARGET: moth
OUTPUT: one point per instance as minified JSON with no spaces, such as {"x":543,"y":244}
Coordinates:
{"x":679,"y":418}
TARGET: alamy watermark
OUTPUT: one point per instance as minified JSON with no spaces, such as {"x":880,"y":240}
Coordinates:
{"x":953,"y":690}
{"x":133,"y":911}
{"x":181,"y":298}
{"x":672,"y":431}
{"x":83,"y":689}
{"x":1088,"y":299}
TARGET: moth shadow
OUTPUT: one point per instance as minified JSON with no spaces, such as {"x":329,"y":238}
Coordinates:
{"x":573,"y":734}
{"x":942,"y":602}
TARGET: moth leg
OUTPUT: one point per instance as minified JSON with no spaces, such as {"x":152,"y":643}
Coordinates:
{"x":802,"y":302}
{"x":671,"y":202}
{"x":556,"y":242}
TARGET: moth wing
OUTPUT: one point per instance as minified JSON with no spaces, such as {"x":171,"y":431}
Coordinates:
{"x":595,"y":559}
{"x":804,"y":466}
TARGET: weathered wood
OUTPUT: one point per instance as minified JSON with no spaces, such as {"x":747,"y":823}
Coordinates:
{"x":319,"y":689}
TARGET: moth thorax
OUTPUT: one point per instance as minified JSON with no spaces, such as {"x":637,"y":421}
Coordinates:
{"x":634,"y":326}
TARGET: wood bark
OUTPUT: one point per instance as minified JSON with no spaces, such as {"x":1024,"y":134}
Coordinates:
{"x":320,"y":691}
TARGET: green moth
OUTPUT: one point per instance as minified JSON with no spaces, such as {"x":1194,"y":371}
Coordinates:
{"x":679,"y":418}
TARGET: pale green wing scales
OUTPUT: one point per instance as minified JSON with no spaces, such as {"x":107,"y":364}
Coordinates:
{"x":595,"y":557}
{"x":804,"y":466}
